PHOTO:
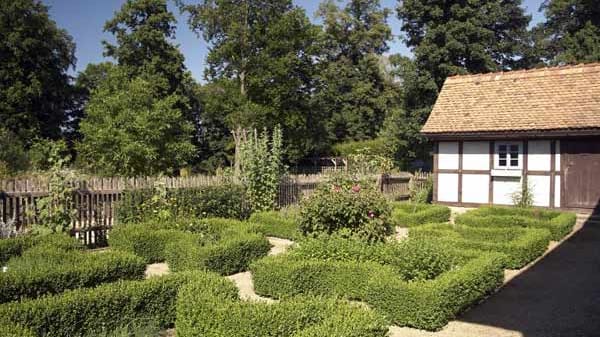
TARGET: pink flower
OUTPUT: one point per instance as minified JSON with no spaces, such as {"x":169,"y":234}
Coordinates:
{"x":371,"y":214}
{"x":336,"y":188}
{"x":356,"y":188}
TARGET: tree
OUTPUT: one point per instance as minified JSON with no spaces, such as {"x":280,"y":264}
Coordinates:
{"x":130,"y":130}
{"x":571,"y":32}
{"x":351,"y":88}
{"x":34,"y":84}
{"x":458,"y":37}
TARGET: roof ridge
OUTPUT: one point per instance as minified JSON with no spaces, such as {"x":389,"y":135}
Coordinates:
{"x":526,"y":73}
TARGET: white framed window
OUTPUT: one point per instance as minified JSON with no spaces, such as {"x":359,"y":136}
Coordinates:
{"x":509,"y":155}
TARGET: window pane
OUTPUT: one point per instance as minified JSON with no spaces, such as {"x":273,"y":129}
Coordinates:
{"x":514,"y":155}
{"x":514,"y":162}
{"x":502,"y":155}
{"x":514,"y":148}
{"x":502,"y":148}
{"x":502,"y":162}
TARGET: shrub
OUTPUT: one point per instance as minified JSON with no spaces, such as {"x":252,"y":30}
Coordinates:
{"x":559,"y":224}
{"x":521,"y":245}
{"x":226,"y":201}
{"x":425,"y":305}
{"x":210,"y":312}
{"x":142,"y":241}
{"x":15,"y":246}
{"x":350,"y":207}
{"x":88,"y":311}
{"x":48,"y":270}
{"x":277,"y":224}
{"x":429,"y":305}
{"x":413,"y":214}
{"x":9,"y":330}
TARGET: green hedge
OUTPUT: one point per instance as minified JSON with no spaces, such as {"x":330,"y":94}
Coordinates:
{"x":48,"y":270}
{"x":521,"y":245}
{"x":559,"y":223}
{"x":410,"y":214}
{"x":12,"y":247}
{"x":143,"y":241}
{"x":278,"y":224}
{"x":425,"y":305}
{"x":204,"y":311}
{"x":429,"y":305}
{"x":90,"y":311}
{"x":9,"y":330}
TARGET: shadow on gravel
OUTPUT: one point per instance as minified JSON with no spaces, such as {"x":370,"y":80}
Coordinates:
{"x":558,"y":296}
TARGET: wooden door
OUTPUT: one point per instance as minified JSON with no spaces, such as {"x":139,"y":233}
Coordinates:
{"x":581,"y":165}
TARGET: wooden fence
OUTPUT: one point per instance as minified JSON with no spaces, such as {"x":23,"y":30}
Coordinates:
{"x":95,"y":199}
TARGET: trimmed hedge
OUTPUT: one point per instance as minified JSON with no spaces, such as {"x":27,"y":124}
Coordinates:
{"x":15,"y":246}
{"x":425,"y":305}
{"x":89,"y":311}
{"x":411,"y":214}
{"x":47,"y":270}
{"x":143,"y":241}
{"x":521,"y":245}
{"x":277,"y":224}
{"x":560,"y":224}
{"x":9,"y":330}
{"x":204,"y":311}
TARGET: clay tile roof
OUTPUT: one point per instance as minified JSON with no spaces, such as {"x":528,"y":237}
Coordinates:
{"x":559,"y":98}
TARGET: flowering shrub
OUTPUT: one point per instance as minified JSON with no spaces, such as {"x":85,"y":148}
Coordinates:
{"x":346,"y":207}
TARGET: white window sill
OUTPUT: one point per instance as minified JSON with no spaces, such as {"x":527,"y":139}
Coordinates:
{"x":506,"y":173}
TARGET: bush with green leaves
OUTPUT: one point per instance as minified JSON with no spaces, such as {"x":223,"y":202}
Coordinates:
{"x":10,"y":330}
{"x":91,"y":311}
{"x":217,"y":311}
{"x":559,"y":223}
{"x":46,"y":269}
{"x":346,"y":206}
{"x":521,"y":245}
{"x":226,"y":201}
{"x":12,"y":247}
{"x":282,"y":224}
{"x":405,"y":214}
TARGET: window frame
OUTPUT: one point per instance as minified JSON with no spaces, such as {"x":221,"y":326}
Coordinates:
{"x":508,"y":158}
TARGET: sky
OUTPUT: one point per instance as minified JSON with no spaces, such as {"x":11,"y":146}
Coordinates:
{"x":84,"y":20}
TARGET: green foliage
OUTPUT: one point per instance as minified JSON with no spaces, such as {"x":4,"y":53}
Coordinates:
{"x":45,"y":269}
{"x":346,"y":206}
{"x":13,"y":158}
{"x":34,"y":79}
{"x":280,"y":224}
{"x":43,"y":153}
{"x":559,"y":223}
{"x":348,"y":148}
{"x":218,"y":312}
{"x":262,"y":168}
{"x":143,"y":241}
{"x":54,"y":211}
{"x":9,"y":330}
{"x":422,"y":193}
{"x":160,"y":204}
{"x":521,"y":245}
{"x":130,"y":129}
{"x":524,"y":197}
{"x":13,"y":247}
{"x":414,"y":214}
{"x":91,"y":311}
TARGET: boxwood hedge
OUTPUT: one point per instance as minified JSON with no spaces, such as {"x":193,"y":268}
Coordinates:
{"x":143,"y":241}
{"x":217,"y":311}
{"x":278,"y":224}
{"x":521,"y":245}
{"x":411,"y":214}
{"x":426,"y":304}
{"x":12,"y":247}
{"x":559,"y":223}
{"x":48,"y":270}
{"x":90,"y":311}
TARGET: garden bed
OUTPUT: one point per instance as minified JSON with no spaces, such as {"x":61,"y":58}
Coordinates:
{"x":411,"y":214}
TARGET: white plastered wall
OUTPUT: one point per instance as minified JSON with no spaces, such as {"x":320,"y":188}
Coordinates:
{"x":540,"y":187}
{"x":475,"y":188}
{"x":505,"y":188}
{"x":448,"y":155}
{"x":447,"y":187}
{"x":539,"y":155}
{"x":476,"y":156}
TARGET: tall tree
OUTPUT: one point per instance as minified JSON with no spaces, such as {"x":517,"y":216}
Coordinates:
{"x":466,"y":36}
{"x":352,"y":90}
{"x":34,"y":85}
{"x":571,"y":32}
{"x":267,"y":48}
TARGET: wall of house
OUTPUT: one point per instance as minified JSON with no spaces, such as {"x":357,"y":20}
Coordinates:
{"x":473,"y":172}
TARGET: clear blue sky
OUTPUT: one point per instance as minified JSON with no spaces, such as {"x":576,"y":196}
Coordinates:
{"x":84,"y":20}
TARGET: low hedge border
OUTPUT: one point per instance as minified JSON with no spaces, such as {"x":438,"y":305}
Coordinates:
{"x":560,"y":224}
{"x":13,"y":247}
{"x":411,"y":214}
{"x":521,"y":245}
{"x":142,"y":241}
{"x":425,"y":305}
{"x":204,"y":311}
{"x":44,"y":270}
{"x":275,"y":223}
{"x":90,"y":311}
